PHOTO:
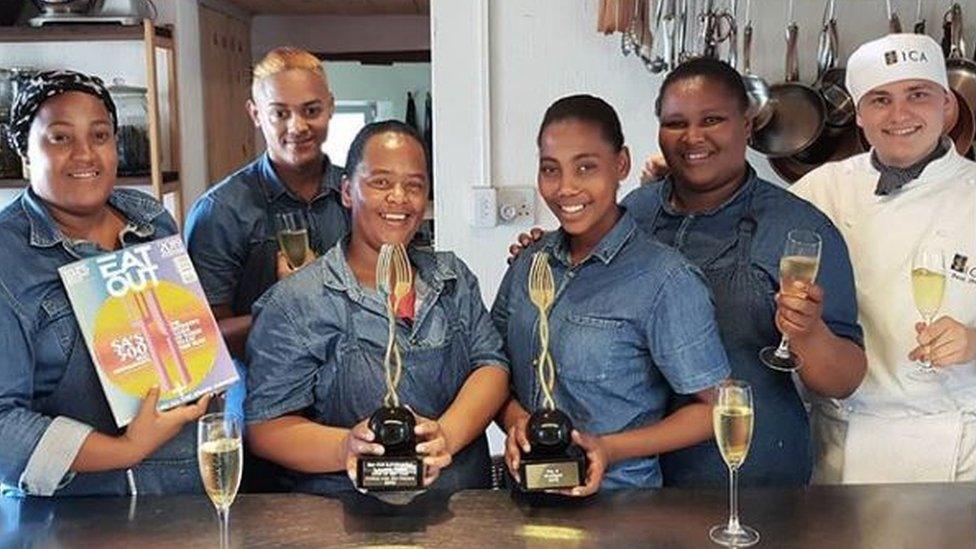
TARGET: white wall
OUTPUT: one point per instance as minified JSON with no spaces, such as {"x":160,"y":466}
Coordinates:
{"x":543,"y":49}
{"x":335,"y":34}
{"x":184,"y":16}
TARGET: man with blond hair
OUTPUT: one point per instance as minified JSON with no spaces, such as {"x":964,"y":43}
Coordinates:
{"x":231,"y":230}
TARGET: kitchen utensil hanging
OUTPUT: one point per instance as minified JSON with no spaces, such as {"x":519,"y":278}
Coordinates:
{"x":663,"y":24}
{"x":961,"y":73}
{"x":757,"y":88}
{"x":894,"y":23}
{"x":630,"y":36}
{"x":840,"y":114}
{"x":799,"y":113}
{"x":919,"y":26}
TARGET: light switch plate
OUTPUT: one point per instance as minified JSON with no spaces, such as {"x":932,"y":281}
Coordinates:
{"x":484,"y":206}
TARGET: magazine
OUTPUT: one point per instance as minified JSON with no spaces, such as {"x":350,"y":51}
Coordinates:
{"x":147,"y":324}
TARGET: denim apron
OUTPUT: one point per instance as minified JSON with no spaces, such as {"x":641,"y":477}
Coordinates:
{"x":432,"y":377}
{"x":780,"y":454}
{"x":172,"y":469}
{"x":260,"y":270}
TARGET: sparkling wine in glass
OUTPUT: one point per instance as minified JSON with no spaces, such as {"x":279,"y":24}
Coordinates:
{"x":219,"y":454}
{"x":732,"y":419}
{"x":928,"y":287}
{"x":799,"y":262}
{"x":293,"y":238}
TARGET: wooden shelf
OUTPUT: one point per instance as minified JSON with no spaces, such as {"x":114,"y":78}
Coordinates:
{"x":81,"y":32}
{"x":171,"y":182}
{"x":153,"y":39}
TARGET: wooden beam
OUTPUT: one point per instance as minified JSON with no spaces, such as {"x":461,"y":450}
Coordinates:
{"x":378,"y":57}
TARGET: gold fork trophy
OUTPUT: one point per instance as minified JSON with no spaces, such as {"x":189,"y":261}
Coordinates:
{"x":554,"y":462}
{"x":399,"y":468}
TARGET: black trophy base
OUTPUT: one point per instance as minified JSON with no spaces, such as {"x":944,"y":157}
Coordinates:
{"x":540,"y":473}
{"x":390,"y":473}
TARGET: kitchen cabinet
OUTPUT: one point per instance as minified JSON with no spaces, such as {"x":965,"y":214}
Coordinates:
{"x":225,"y":47}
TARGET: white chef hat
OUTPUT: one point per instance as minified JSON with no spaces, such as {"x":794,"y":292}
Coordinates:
{"x":892,"y":58}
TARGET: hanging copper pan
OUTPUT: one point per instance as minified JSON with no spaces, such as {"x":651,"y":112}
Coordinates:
{"x":846,"y":144}
{"x":790,"y":169}
{"x":961,"y":123}
{"x":799,"y":112}
{"x":839,"y":125}
{"x":962,"y":81}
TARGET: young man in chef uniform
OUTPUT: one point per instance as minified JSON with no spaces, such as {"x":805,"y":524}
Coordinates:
{"x":913,"y":189}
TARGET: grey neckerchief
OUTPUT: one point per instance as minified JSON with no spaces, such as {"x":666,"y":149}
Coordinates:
{"x":893,"y":179}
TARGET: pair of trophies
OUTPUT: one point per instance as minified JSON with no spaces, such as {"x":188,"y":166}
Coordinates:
{"x":553,"y":463}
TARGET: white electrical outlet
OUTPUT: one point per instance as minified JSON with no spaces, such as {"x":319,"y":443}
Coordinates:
{"x":516,"y":205}
{"x":484,"y":202}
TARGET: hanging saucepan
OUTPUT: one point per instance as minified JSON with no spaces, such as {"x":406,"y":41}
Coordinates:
{"x":760,"y":109}
{"x":961,"y":122}
{"x":830,"y":77}
{"x":840,"y":107}
{"x":962,"y":81}
{"x":799,"y":112}
{"x":919,"y":27}
{"x":792,"y":168}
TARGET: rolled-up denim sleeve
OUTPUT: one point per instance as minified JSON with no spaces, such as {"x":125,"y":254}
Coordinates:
{"x":217,"y":248}
{"x":37,"y":450}
{"x":684,"y":337}
{"x":485,"y":344}
{"x":836,"y":277}
{"x":282,"y":370}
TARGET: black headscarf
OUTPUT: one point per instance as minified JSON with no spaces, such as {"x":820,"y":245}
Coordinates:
{"x":43,"y":86}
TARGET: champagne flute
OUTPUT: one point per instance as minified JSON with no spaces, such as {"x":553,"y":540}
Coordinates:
{"x":219,"y":454}
{"x":293,"y":237}
{"x":732,"y":419}
{"x":928,"y":287}
{"x":799,"y":262}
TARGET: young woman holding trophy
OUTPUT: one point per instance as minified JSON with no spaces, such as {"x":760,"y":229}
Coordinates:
{"x":616,"y":319}
{"x":335,"y":384}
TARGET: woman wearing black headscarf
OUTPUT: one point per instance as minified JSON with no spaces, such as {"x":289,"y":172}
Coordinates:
{"x":58,"y":432}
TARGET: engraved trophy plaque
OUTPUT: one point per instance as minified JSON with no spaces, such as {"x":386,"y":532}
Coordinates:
{"x":399,"y":468}
{"x":554,"y":462}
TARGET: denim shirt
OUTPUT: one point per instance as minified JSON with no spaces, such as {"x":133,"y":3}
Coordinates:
{"x":630,"y":323}
{"x":231,"y":230}
{"x":707,"y":236}
{"x":738,"y":245}
{"x":317,"y":344}
{"x":50,"y":396}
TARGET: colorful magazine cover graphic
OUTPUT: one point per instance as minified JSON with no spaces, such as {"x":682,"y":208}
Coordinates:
{"x":147,"y":323}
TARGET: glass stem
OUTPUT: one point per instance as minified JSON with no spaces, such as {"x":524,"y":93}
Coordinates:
{"x":783,"y":351}
{"x":926,"y":364}
{"x":223,"y":516}
{"x":733,"y":499}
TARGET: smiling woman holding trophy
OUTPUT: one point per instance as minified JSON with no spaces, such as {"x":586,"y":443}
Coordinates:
{"x":601,"y":322}
{"x":377,"y":367}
